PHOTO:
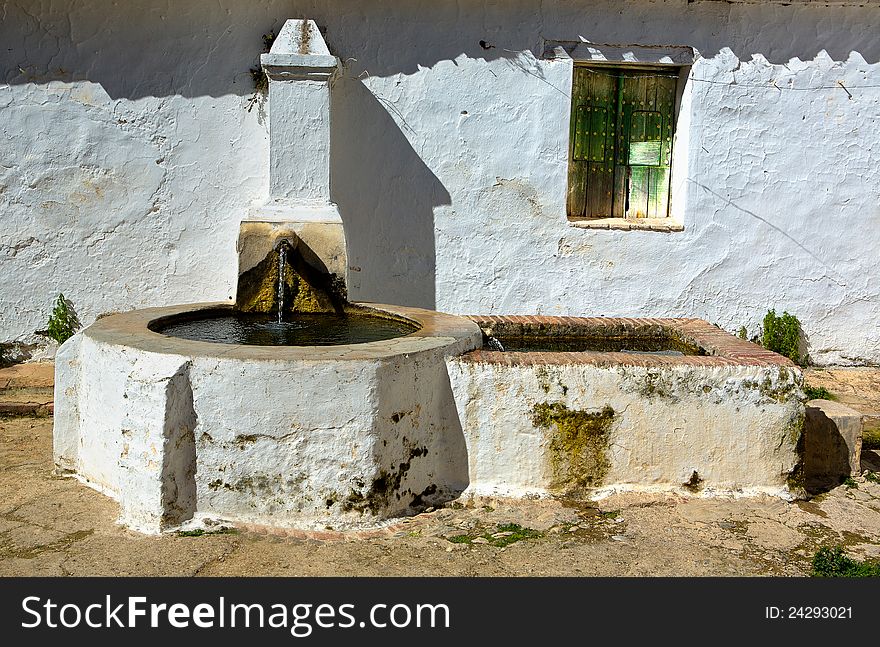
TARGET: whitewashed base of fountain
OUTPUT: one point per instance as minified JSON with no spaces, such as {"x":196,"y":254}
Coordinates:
{"x":345,"y":436}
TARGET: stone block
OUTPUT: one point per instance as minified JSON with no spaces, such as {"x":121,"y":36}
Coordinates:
{"x":832,"y":444}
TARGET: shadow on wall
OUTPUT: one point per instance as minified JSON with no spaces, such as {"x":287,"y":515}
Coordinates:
{"x":201,"y":49}
{"x":386,"y":197}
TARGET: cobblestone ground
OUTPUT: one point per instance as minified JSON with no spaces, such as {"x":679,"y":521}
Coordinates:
{"x":56,"y":526}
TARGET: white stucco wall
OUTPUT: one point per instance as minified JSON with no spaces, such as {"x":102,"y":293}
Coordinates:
{"x":131,"y":158}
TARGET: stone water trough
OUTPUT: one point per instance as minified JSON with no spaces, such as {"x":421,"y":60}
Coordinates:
{"x":349,"y":435}
{"x":567,"y":405}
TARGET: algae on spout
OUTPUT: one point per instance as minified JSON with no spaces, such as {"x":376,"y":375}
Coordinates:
{"x":290,"y":279}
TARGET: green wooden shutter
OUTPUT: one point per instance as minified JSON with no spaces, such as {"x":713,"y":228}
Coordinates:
{"x":591,"y":143}
{"x":622,"y":123}
{"x":645,"y":125}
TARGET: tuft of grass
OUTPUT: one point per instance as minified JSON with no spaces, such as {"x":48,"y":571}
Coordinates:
{"x":460,"y":539}
{"x":818,"y":393}
{"x":872,"y":477}
{"x":518,"y":533}
{"x":850,"y":483}
{"x":833,"y":562}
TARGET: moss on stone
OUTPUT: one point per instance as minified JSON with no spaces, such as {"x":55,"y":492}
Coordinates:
{"x":385,"y":485}
{"x":306,"y":289}
{"x":793,"y":432}
{"x":578,"y":444}
{"x":871,"y":436}
{"x":656,"y":385}
{"x":786,"y":389}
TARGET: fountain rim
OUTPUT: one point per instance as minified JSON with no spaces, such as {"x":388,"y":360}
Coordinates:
{"x":133,"y":329}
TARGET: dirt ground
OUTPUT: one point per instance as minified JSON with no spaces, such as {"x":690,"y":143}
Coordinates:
{"x":57,"y":526}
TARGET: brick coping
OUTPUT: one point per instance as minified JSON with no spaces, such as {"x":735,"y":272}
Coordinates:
{"x":722,"y":348}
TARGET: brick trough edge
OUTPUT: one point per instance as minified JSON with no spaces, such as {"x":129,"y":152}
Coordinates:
{"x":724,"y":349}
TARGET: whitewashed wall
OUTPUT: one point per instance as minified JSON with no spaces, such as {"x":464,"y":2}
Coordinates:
{"x":128,"y":158}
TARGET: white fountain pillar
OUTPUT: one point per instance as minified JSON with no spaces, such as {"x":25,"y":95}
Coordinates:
{"x":299,"y":67}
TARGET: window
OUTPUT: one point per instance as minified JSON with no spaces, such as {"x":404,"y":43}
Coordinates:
{"x":620,"y":143}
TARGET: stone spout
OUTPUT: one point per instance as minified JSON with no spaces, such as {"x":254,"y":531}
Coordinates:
{"x":302,"y":283}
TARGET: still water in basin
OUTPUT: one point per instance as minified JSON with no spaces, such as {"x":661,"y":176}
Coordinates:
{"x":610,"y":344}
{"x":300,"y":330}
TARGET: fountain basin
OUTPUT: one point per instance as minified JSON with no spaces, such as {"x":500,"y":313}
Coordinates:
{"x":343,"y":435}
{"x":685,"y":406}
{"x":357,"y":326}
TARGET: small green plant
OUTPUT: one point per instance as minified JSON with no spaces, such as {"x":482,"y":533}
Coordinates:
{"x":517,"y":533}
{"x":833,"y":562}
{"x":872,"y":477}
{"x":743,"y":333}
{"x":782,"y":334}
{"x":818,"y":393}
{"x":850,"y":483}
{"x":63,"y":322}
{"x":258,"y":74}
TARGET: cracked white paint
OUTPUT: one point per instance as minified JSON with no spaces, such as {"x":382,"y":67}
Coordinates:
{"x":132,"y":158}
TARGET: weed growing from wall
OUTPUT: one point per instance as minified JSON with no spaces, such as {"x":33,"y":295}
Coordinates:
{"x":782,"y":334}
{"x":258,"y":74}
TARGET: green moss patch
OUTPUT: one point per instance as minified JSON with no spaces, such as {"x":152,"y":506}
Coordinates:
{"x":871,"y":438}
{"x":501,"y":536}
{"x":578,"y":444}
{"x":818,"y":393}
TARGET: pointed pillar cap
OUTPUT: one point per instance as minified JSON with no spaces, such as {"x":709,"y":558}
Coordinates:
{"x":299,"y":52}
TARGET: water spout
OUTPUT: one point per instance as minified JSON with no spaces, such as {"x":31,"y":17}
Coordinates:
{"x":281,"y":248}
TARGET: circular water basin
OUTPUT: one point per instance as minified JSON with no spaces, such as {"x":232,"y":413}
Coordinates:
{"x":225,"y":327}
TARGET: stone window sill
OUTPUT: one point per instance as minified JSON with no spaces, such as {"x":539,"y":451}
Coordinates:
{"x":624,"y":224}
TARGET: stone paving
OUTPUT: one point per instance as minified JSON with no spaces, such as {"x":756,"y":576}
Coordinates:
{"x":26,"y":389}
